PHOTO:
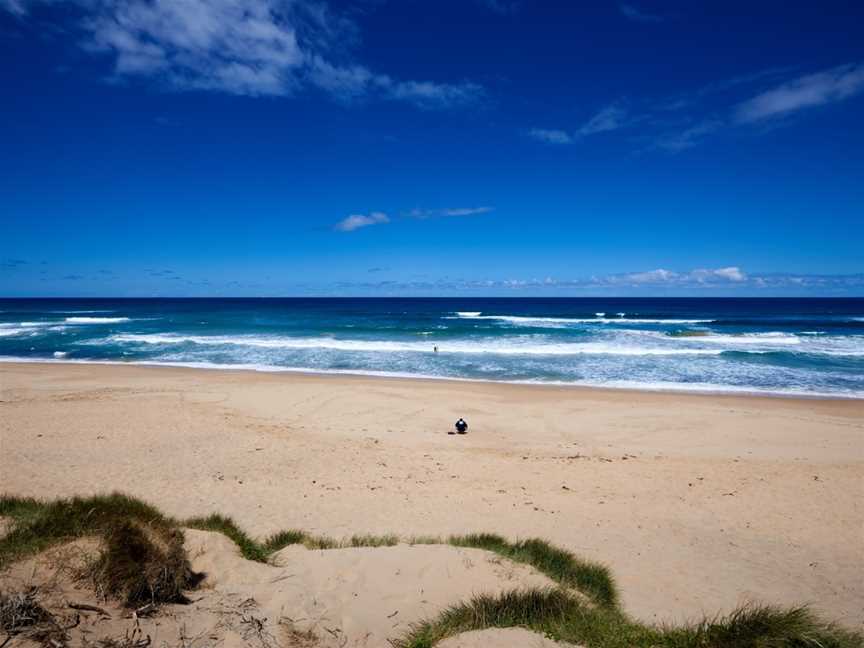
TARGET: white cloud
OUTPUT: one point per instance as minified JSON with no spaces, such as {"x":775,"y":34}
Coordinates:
{"x":550,"y":136}
{"x":731,"y":280}
{"x":501,"y":6}
{"x":611,"y":118}
{"x":14,"y":6}
{"x":635,"y":14}
{"x":353,"y":82}
{"x":356,"y":221}
{"x":650,"y":277}
{"x":423,"y":214}
{"x":688,"y":137}
{"x":248,"y":47}
{"x":660,"y":277}
{"x":465,"y":211}
{"x":824,"y":87}
{"x":732,"y":273}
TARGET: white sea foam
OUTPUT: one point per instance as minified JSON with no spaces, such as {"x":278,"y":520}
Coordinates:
{"x":468,"y":313}
{"x":8,"y":329}
{"x":498,"y":346}
{"x":96,"y":320}
{"x":60,"y":354}
{"x":772,"y":339}
{"x":600,"y":314}
{"x":540,"y":321}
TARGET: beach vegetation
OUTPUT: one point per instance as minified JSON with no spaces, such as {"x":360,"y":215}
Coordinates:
{"x":557,"y":614}
{"x":142,"y":560}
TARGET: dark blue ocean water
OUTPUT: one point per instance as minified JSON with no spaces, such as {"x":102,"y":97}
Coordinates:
{"x":783,"y":346}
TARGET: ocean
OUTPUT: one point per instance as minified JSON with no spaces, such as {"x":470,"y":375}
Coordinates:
{"x":811,"y":347}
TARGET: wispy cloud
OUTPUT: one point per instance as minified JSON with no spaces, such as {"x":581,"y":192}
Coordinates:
{"x":550,"y":135}
{"x":18,"y":7}
{"x":423,"y":214}
{"x":682,"y":121}
{"x":501,"y":6}
{"x":807,"y":91}
{"x":251,"y":48}
{"x":610,"y":118}
{"x":357,"y":221}
{"x":688,"y":137}
{"x":355,"y":82}
{"x":12,"y":263}
{"x":634,"y":13}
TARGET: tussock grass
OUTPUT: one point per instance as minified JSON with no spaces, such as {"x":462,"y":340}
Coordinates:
{"x":39,"y":525}
{"x":560,"y":565}
{"x":249,"y":548}
{"x":139,"y":566}
{"x":144,"y":560}
{"x":563,"y":617}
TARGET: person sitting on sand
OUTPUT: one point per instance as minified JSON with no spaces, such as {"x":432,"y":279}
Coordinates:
{"x":461,"y":426}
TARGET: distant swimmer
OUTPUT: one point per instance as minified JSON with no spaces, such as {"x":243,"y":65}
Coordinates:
{"x":461,"y":426}
{"x":436,"y":349}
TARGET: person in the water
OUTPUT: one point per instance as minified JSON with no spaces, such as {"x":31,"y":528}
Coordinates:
{"x":461,"y":426}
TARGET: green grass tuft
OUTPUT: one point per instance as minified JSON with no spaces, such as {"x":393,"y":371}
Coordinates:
{"x":560,"y":565}
{"x":249,"y":548}
{"x":144,"y":559}
{"x":283,"y":539}
{"x":563,"y":617}
{"x":37,"y":526}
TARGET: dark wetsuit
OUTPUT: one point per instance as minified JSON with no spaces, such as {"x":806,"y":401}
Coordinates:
{"x":461,"y":426}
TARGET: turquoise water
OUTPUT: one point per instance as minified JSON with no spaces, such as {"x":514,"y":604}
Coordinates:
{"x":781,"y":346}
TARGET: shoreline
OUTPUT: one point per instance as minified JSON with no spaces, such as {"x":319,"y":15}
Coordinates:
{"x":708,"y":391}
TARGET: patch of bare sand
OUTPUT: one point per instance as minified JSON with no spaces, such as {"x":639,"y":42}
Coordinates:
{"x":361,"y":596}
{"x":501,"y":638}
{"x":357,"y":598}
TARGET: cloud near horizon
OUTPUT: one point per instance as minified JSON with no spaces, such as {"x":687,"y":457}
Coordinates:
{"x":254,"y":48}
{"x":717,"y":280}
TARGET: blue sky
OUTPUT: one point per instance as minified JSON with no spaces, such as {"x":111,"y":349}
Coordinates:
{"x":478,"y":147}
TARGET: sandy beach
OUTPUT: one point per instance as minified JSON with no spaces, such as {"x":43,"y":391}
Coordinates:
{"x":697,"y":503}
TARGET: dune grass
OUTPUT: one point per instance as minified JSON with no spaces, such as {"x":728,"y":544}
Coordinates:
{"x":560,"y":616}
{"x":39,"y":525}
{"x":141,"y":544}
{"x":560,"y":565}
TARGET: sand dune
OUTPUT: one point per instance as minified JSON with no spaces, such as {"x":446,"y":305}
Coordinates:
{"x":337,"y":598}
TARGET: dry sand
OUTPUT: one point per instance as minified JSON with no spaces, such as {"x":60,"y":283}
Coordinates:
{"x":338,"y":598}
{"x":697,"y":503}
